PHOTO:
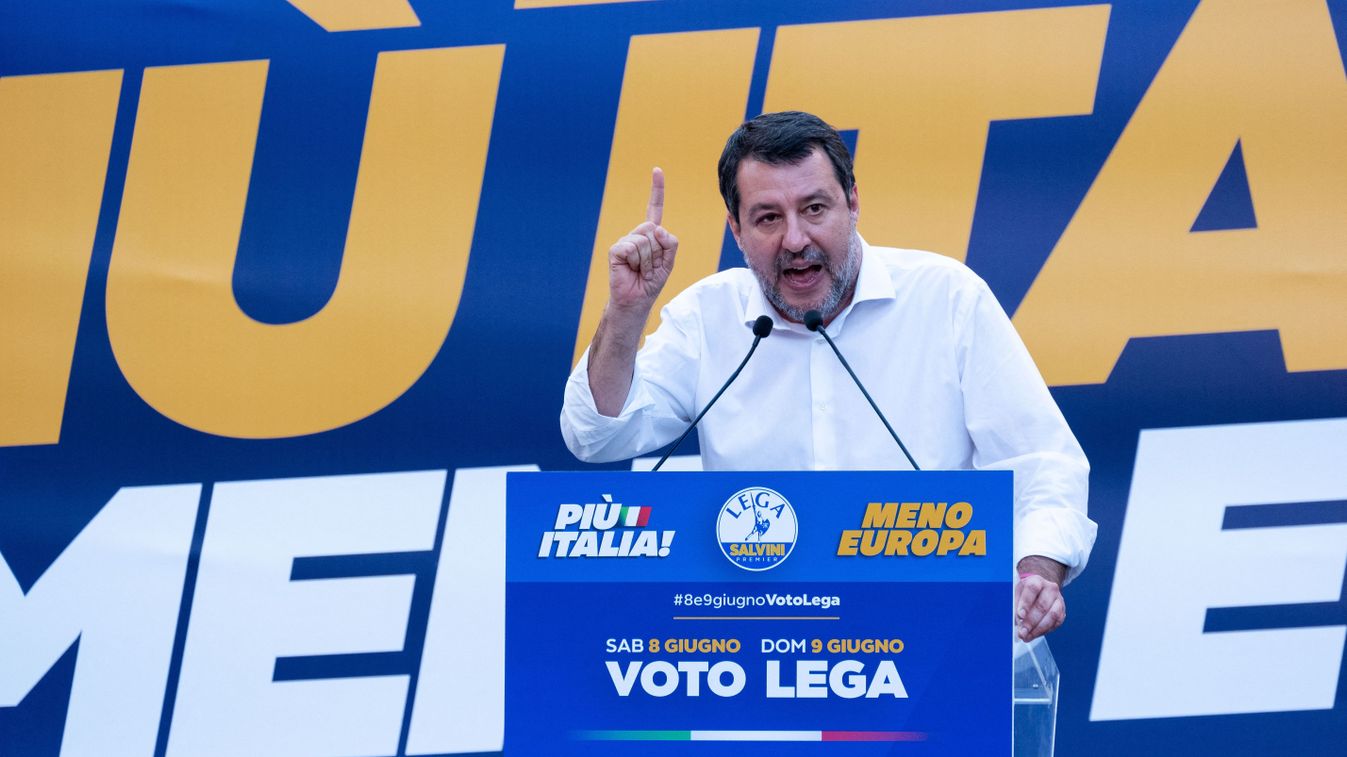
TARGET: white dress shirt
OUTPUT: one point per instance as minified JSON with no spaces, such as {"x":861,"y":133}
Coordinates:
{"x":931,"y":344}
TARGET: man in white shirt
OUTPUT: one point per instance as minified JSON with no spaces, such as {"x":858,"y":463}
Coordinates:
{"x":922,"y":331}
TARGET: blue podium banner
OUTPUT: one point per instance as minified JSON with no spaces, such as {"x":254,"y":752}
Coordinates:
{"x":758,"y":612}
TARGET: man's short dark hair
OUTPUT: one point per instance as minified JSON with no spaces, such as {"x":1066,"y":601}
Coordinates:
{"x":784,"y":138}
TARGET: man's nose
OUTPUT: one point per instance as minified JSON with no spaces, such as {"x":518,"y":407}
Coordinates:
{"x":795,"y":240}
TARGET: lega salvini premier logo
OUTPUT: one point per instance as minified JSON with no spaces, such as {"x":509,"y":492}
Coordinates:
{"x":757,"y":528}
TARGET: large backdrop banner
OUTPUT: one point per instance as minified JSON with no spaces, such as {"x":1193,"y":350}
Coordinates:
{"x":287,"y":287}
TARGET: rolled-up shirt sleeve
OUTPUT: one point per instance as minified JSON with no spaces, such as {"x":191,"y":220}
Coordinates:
{"x":656,"y":411}
{"x":1015,"y":425}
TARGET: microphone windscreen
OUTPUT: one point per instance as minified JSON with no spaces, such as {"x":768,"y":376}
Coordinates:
{"x":812,"y":320}
{"x":762,"y":327}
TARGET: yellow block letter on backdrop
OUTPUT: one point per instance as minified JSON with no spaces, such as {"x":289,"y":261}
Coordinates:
{"x":922,"y":92}
{"x":55,"y":134}
{"x":357,"y":15}
{"x":682,"y":94}
{"x":1270,"y":76}
{"x":177,"y":332}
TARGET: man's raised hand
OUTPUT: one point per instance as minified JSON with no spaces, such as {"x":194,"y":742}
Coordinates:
{"x":640,"y":263}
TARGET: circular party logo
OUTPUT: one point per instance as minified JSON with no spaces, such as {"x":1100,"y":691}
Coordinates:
{"x":757,"y":528}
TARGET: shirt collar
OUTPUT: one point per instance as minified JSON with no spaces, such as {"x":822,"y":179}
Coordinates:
{"x":872,"y":283}
{"x":756,"y":305}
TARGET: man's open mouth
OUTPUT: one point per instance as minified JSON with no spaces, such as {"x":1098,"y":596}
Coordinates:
{"x":802,"y":276}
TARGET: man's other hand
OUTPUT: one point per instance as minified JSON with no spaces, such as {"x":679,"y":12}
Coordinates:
{"x":1039,"y":606}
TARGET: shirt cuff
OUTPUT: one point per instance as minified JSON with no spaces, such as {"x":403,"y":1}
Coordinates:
{"x":587,"y":432}
{"x":1058,"y":533}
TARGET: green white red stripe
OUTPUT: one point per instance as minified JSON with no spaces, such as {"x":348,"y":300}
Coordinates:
{"x":617,"y":735}
{"x":633,"y":515}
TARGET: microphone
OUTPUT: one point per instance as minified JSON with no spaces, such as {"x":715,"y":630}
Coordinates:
{"x":813,"y":320}
{"x":761,"y":328}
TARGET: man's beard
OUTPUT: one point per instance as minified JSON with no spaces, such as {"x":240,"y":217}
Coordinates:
{"x":843,"y":279}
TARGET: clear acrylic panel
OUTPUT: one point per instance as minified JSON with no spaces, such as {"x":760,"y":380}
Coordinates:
{"x":1035,"y":695}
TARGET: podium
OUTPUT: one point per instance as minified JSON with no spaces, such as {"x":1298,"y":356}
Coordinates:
{"x":762,"y":613}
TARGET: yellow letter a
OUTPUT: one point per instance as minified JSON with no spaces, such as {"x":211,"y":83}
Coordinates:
{"x":1270,"y":76}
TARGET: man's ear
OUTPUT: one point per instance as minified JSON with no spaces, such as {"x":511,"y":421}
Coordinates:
{"x":854,"y":202}
{"x":734,"y":229}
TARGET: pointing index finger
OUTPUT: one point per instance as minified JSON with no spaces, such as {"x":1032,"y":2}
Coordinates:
{"x":654,"y":211}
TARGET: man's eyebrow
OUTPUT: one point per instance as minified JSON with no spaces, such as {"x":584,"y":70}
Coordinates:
{"x":818,"y":195}
{"x":757,"y":206}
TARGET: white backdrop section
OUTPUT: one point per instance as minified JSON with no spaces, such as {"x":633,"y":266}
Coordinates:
{"x":1175,"y":562}
{"x":460,"y":695}
{"x":115,"y":590}
{"x":247,"y":612}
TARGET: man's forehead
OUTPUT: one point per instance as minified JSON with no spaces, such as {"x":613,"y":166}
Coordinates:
{"x":809,"y":177}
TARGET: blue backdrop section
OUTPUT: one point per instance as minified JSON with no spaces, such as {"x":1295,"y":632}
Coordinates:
{"x":492,"y":394}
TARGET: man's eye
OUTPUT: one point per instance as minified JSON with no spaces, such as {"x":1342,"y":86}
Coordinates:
{"x":768,"y":218}
{"x":814,"y":209}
